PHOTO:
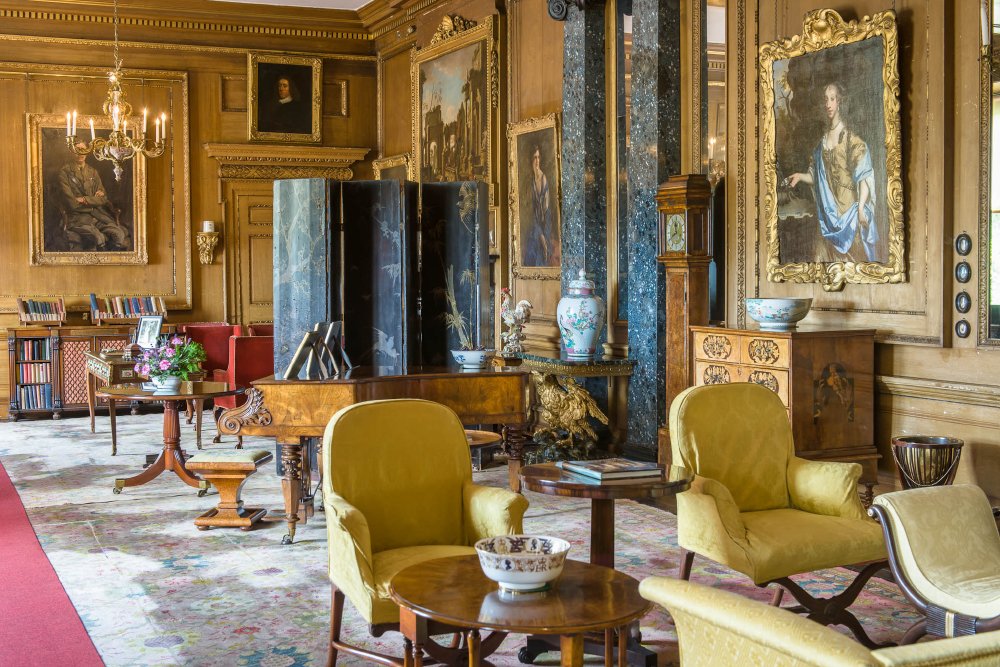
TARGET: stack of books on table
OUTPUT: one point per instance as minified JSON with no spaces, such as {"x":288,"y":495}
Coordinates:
{"x":617,"y":471}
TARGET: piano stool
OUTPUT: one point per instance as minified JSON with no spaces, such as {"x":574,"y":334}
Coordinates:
{"x":482,"y":444}
{"x":227,"y":470}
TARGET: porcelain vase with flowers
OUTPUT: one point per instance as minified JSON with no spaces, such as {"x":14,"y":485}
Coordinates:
{"x":580,"y":315}
{"x":170,"y":363}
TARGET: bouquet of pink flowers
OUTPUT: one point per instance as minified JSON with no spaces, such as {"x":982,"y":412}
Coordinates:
{"x":176,"y":356}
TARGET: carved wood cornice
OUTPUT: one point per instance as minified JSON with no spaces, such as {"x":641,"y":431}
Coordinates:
{"x":966,"y":393}
{"x":266,"y":161}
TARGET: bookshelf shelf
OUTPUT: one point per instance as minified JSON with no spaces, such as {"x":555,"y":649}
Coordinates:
{"x":33,"y":312}
{"x":124,"y":309}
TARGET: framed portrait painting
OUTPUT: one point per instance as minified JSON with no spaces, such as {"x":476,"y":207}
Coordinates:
{"x":285,"y":98}
{"x":534,"y":197}
{"x":78,"y":212}
{"x":454,"y":91}
{"x":832,"y":194}
{"x":398,"y":167}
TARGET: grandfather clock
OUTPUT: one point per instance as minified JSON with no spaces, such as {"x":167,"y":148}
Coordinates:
{"x":683,"y":247}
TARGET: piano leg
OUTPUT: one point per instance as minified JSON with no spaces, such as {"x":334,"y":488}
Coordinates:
{"x":291,"y":483}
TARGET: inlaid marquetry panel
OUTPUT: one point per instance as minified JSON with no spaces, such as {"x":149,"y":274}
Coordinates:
{"x":765,"y":351}
{"x":707,"y":372}
{"x":722,"y":347}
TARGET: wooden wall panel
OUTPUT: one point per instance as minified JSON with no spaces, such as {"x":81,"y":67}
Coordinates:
{"x":396,"y":128}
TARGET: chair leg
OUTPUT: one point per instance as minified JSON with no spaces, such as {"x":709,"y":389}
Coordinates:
{"x":216,"y":410}
{"x":686,"y":562}
{"x":239,"y":442}
{"x":916,"y":631}
{"x":777,"y":596}
{"x":336,"y":617}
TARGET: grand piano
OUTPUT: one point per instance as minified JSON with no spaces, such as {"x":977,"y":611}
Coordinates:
{"x":296,"y":411}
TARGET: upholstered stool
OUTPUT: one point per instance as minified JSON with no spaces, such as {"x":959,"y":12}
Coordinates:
{"x":481,"y":447}
{"x":227,"y":470}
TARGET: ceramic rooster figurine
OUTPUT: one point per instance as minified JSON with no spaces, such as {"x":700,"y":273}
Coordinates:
{"x":515,"y":320}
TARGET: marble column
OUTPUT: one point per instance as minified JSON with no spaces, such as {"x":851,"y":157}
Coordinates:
{"x":654,"y":154}
{"x":584,"y":243}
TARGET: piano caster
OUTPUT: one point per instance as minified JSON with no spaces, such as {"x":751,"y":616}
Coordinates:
{"x":287,"y":539}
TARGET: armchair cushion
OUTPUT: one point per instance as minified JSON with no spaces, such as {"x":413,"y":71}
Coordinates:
{"x":929,"y":524}
{"x":825,"y":487}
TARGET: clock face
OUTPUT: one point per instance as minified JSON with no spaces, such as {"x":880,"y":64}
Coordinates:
{"x":675,"y":232}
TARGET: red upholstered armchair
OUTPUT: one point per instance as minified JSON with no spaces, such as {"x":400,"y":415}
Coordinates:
{"x":214,"y":337}
{"x":261,"y":329}
{"x":250,"y":358}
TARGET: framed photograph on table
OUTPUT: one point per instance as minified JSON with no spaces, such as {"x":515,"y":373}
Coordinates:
{"x":454,"y":91}
{"x":78,"y":212}
{"x":534,"y":197}
{"x":831,"y":153}
{"x":285,"y":98}
{"x":147,"y":331}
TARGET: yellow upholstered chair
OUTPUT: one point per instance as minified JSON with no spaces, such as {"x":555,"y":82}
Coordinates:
{"x":397,"y":490}
{"x":758,"y":509}
{"x":721,"y":629}
{"x":944,"y":550}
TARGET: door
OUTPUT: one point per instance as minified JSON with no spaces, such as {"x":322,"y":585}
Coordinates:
{"x":251,"y":278}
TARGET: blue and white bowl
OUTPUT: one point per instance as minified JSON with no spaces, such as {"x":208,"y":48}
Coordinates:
{"x":778,"y":314}
{"x":472,"y":358}
{"x":522,"y":563}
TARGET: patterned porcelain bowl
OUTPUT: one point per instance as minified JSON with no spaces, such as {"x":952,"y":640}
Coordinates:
{"x":778,"y":314}
{"x":522,"y":563}
{"x":472,"y":358}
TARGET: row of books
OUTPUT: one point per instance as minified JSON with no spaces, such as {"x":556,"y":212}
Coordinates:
{"x":34,"y":310}
{"x":34,"y":373}
{"x":34,"y":349}
{"x":615,"y":470}
{"x":36,"y":397}
{"x":126,"y":306}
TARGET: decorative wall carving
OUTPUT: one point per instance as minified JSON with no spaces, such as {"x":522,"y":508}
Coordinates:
{"x":450,"y":26}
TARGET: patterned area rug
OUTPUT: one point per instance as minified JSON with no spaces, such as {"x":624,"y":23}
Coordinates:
{"x":153,"y":590}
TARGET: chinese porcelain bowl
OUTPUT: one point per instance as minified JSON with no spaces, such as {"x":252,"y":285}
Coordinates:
{"x":472,"y":358}
{"x":522,"y":563}
{"x":778,"y":314}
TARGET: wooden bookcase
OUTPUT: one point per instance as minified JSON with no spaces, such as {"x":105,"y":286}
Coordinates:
{"x":48,"y":372}
{"x":124,"y":309}
{"x":35,"y":312}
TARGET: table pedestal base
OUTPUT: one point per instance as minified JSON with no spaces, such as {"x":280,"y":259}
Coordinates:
{"x":633,"y":655}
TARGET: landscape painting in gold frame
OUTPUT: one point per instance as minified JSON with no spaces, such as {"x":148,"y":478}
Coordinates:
{"x":454,"y":91}
{"x":285,"y":98}
{"x":832,"y":194}
{"x":534,"y":197}
{"x":78,"y":212}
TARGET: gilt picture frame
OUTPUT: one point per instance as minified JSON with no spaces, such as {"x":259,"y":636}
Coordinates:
{"x":399,"y":167}
{"x":831,"y":153}
{"x":284,"y":98}
{"x":78,"y":213}
{"x":455,"y":103}
{"x":535,"y":217}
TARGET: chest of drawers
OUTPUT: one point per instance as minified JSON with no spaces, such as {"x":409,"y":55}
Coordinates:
{"x":824,"y":377}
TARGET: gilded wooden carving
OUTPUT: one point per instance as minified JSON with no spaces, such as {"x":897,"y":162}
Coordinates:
{"x":450,"y":26}
{"x":764,"y":379}
{"x":763,"y":351}
{"x":717,"y":347}
{"x":830,"y":138}
{"x":716,"y":375}
{"x":565,"y":406}
{"x":399,"y":167}
{"x":252,"y":411}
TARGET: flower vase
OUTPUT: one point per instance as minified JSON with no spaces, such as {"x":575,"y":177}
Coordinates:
{"x":166,"y":384}
{"x":580,"y":315}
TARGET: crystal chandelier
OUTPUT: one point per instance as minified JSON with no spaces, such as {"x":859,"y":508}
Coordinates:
{"x":119,"y":146}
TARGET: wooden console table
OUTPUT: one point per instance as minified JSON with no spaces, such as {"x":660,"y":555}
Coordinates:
{"x":292,"y":411}
{"x":825,"y":378}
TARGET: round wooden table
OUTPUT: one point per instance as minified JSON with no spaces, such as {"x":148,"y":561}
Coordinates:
{"x":172,"y":456}
{"x":455,"y":592}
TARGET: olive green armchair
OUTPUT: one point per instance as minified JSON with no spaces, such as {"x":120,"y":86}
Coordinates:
{"x":944,"y":550}
{"x":716,"y":628}
{"x":397,"y":490}
{"x":757,"y":508}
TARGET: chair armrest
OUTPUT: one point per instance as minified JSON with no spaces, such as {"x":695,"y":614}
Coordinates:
{"x":492,"y":511}
{"x":350,"y":548}
{"x":825,"y":487}
{"x":971,"y":650}
{"x":712,"y":623}
{"x":708,"y":497}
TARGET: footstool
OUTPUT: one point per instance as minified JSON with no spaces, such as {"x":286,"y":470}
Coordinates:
{"x":481,"y":447}
{"x":227,"y":470}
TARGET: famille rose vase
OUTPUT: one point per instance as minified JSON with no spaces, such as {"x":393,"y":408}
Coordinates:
{"x":580,"y":315}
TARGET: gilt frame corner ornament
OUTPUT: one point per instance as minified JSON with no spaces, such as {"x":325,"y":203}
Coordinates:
{"x":541,"y":133}
{"x":472,"y":157}
{"x":399,"y":167}
{"x":271,"y":121}
{"x":819,"y":70}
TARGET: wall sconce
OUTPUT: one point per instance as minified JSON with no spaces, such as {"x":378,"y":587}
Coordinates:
{"x":207,"y":239}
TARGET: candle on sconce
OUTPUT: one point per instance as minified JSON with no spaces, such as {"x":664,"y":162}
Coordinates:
{"x":208,"y":226}
{"x":157,"y":123}
{"x":143,"y":122}
{"x":93,"y":135}
{"x":711,"y":148}
{"x":74,"y":123}
{"x":69,"y":124}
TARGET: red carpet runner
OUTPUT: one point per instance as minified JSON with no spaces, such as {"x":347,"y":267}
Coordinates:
{"x":39,"y":626}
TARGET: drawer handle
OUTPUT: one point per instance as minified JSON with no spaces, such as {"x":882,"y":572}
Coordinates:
{"x":717,"y":347}
{"x":716,"y":375}
{"x":764,"y":379}
{"x":764,"y":351}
